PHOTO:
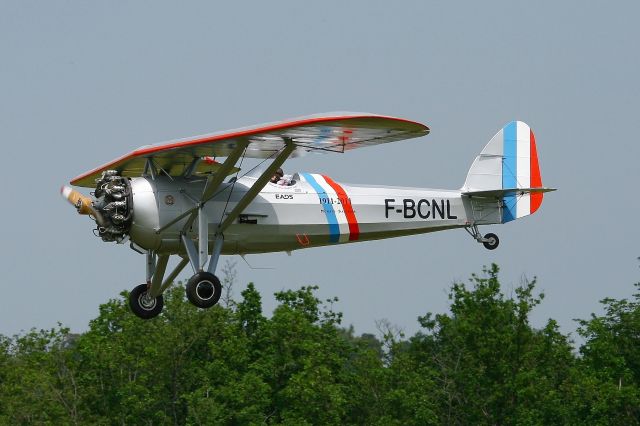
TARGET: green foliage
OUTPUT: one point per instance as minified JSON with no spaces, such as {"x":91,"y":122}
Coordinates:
{"x":480,"y":363}
{"x":492,"y":366}
{"x":611,"y":362}
{"x":38,"y":383}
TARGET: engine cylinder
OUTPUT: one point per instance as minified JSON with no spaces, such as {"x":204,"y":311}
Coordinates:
{"x":113,"y":200}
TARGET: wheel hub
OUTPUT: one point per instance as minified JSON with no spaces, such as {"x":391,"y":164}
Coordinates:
{"x":205,"y":290}
{"x":147,"y":302}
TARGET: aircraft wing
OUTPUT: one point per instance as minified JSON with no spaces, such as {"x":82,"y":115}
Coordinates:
{"x":331,"y":132}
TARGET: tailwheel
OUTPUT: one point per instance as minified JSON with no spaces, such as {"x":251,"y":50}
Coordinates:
{"x":204,"y":290}
{"x":143,"y":305}
{"x":491,"y":241}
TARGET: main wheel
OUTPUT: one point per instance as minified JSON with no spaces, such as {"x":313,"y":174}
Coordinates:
{"x":204,"y":290}
{"x":143,"y":305}
{"x":492,"y":241}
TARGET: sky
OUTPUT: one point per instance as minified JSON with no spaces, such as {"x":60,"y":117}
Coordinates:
{"x":82,"y":83}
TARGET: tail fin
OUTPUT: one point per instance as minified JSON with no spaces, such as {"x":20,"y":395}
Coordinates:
{"x":507,"y":168}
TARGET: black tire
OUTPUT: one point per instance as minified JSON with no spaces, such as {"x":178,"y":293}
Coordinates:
{"x":493,"y":242}
{"x":204,"y":290}
{"x":143,"y":308}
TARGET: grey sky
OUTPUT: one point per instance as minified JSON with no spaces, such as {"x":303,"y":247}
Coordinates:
{"x":84,"y":82}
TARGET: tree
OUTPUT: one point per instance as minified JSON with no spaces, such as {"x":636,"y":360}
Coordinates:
{"x":610,"y":387}
{"x":39,"y":383}
{"x":489,"y":364}
{"x":140,"y":371}
{"x":480,"y":363}
{"x":229,"y":275}
{"x":231,"y":390}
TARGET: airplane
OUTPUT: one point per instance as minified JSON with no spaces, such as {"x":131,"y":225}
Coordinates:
{"x":177,"y":198}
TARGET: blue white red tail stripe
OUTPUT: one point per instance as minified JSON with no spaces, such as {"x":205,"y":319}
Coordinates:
{"x":509,"y":169}
{"x":519,"y":170}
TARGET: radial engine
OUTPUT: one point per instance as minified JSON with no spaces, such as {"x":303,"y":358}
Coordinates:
{"x":111,"y":205}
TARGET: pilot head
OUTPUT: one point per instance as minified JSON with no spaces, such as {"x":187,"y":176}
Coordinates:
{"x":277,"y":176}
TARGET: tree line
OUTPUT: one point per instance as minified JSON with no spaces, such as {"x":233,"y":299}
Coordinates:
{"x":480,"y":363}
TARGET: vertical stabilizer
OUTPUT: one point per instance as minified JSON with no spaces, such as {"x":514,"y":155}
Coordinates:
{"x":509,"y":162}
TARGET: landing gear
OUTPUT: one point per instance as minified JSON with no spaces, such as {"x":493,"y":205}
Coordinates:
{"x":204,"y":290}
{"x":144,"y":305}
{"x":146,"y":300}
{"x":490,"y":241}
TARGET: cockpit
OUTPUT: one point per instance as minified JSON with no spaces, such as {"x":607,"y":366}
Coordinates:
{"x":279,"y":178}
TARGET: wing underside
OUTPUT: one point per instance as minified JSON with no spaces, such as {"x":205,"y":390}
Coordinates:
{"x":333,"y":132}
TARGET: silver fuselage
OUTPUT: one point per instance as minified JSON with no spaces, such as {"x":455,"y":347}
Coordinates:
{"x":285,"y":218}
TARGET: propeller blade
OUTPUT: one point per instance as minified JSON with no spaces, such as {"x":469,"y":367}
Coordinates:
{"x":83,"y":204}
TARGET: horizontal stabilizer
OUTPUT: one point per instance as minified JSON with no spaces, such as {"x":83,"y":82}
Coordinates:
{"x":499,"y":193}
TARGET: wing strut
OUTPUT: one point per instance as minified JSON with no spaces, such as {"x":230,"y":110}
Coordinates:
{"x":261,"y":182}
{"x":198,"y":258}
{"x":213,"y":182}
{"x":150,"y":168}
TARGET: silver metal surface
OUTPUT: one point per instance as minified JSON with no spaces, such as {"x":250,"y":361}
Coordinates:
{"x":146,"y":215}
{"x":203,"y":237}
{"x":285,"y":218}
{"x":215,"y":255}
{"x":151,"y":265}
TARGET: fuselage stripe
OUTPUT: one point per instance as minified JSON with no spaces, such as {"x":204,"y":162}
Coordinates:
{"x":332,"y":220}
{"x":354,"y":229}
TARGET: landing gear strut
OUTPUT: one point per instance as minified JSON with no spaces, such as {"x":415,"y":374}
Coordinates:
{"x":146,"y":300}
{"x":203,"y":288}
{"x":490,"y":241}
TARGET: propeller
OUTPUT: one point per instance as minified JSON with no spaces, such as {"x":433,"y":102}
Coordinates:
{"x":83,"y":204}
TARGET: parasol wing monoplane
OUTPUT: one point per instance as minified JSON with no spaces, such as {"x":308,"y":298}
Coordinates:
{"x":181,"y":198}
